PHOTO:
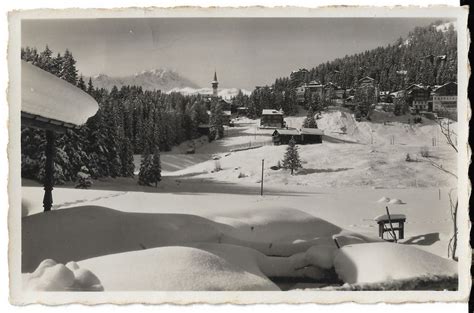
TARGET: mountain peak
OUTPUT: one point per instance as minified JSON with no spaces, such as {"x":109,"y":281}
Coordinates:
{"x":151,"y":79}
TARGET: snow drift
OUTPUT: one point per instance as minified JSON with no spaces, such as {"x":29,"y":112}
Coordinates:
{"x":384,"y":261}
{"x":51,"y":276}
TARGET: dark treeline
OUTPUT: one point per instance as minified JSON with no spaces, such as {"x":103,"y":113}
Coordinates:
{"x":129,"y":121}
{"x":427,"y":56}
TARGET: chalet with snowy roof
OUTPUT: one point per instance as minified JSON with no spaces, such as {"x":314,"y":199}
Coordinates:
{"x":366,"y":82}
{"x":242,"y":111}
{"x":445,"y":98}
{"x":334,"y":94}
{"x":313,"y":87}
{"x":418,"y":97}
{"x":272,"y":118}
{"x":54,"y":105}
{"x":301,"y":136}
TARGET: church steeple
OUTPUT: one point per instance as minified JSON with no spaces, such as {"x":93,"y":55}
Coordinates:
{"x":214,"y":84}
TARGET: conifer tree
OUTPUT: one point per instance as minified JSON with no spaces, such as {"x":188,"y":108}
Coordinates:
{"x":156,"y":167}
{"x":310,"y":121}
{"x":45,"y":60}
{"x":90,"y":87}
{"x":80,"y":83}
{"x":217,"y":119}
{"x":145,"y":175}
{"x":68,"y":70}
{"x":126,"y":158}
{"x":291,"y":159}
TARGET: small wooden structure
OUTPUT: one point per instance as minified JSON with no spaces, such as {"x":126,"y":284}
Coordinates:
{"x":386,"y":224}
{"x":54,"y":105}
{"x":301,"y":136}
{"x":227,"y":116}
{"x":311,"y":135}
{"x":283,"y":136}
{"x":204,"y":129}
{"x":272,"y":119}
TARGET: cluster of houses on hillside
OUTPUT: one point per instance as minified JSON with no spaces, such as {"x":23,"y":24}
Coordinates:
{"x":420,"y":98}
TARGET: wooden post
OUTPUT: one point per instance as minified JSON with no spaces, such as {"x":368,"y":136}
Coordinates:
{"x":261,"y":181}
{"x":49,"y":171}
{"x":391,"y":226}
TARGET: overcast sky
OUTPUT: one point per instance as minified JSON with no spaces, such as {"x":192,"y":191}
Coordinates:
{"x":245,"y":52}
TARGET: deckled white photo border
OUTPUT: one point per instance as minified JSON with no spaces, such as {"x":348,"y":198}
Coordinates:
{"x":19,"y":296}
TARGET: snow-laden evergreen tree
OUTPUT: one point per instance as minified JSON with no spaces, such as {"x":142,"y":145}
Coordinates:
{"x":84,"y":180}
{"x":156,"y":166}
{"x":146,"y":175}
{"x":90,"y":87}
{"x":45,"y":61}
{"x":68,"y":70}
{"x":126,"y":159}
{"x":310,"y":120}
{"x":216,"y":119}
{"x":291,"y":159}
{"x":81,"y":84}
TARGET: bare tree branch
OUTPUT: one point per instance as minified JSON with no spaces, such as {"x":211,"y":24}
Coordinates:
{"x":439,"y":166}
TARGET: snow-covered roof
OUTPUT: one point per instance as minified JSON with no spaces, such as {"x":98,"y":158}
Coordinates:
{"x":366,"y":78}
{"x":384,"y":217}
{"x":312,"y":131}
{"x":289,"y":132}
{"x":271,"y":112}
{"x":226,"y":113}
{"x":49,"y":97}
{"x":436,"y":88}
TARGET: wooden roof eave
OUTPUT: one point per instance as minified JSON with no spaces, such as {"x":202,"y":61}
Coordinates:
{"x":40,"y":122}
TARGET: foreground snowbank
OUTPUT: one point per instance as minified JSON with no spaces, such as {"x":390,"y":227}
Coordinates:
{"x":384,"y":261}
{"x":51,"y":276}
{"x":180,"y":269}
{"x":276,"y":231}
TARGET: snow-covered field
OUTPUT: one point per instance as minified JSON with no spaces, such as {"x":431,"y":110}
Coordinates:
{"x":203,"y":229}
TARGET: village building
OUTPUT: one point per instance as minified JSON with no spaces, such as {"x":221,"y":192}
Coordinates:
{"x":334,"y":94}
{"x":272,"y":119}
{"x":301,"y":93}
{"x":301,"y":136}
{"x":307,"y":90}
{"x":298,"y":77}
{"x":384,"y":96}
{"x":227,"y":117}
{"x":445,"y":98}
{"x":283,"y":136}
{"x":366,"y":82}
{"x":418,"y":98}
{"x":242,"y":111}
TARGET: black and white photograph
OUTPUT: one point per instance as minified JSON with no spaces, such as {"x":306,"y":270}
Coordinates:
{"x":302,"y":155}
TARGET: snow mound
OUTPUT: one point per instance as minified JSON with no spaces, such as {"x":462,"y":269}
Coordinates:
{"x":396,"y":201}
{"x":180,"y":269}
{"x":322,"y":255}
{"x":277,"y":231}
{"x":383,"y":200}
{"x":384,"y":261}
{"x":51,"y":276}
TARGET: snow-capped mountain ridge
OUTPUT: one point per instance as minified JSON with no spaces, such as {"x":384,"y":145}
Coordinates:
{"x":153,"y":79}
